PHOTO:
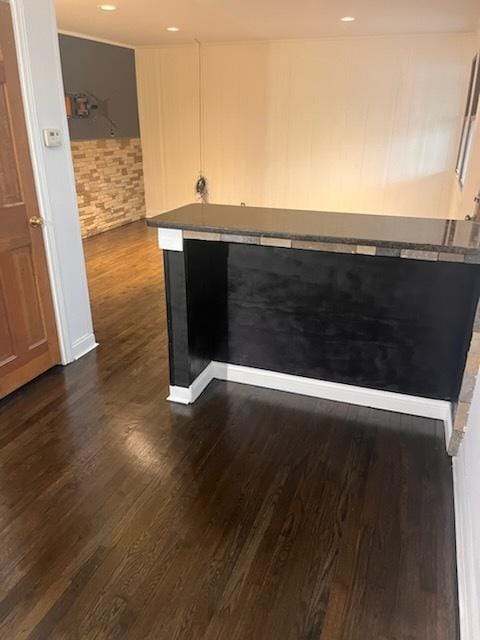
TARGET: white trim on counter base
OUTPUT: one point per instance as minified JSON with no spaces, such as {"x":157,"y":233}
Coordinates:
{"x":374,"y":398}
{"x":170,"y":239}
{"x":448,"y":428}
{"x":188,"y":395}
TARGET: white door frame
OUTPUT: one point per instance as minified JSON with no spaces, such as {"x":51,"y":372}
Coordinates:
{"x":35,"y":30}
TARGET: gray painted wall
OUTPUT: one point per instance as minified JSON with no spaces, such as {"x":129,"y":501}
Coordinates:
{"x":108,"y":73}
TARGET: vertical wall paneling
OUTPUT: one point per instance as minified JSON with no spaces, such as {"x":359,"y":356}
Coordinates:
{"x":168,"y":91}
{"x":366,"y":124}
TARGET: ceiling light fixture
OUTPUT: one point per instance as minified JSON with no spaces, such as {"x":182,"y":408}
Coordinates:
{"x":173,"y":29}
{"x":107,"y":7}
{"x":347,"y":19}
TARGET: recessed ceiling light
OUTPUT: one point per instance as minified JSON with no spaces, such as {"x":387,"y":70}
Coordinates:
{"x":107,"y":7}
{"x":173,"y":29}
{"x":347,"y":19}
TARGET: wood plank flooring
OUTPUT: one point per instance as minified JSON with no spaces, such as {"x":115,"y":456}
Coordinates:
{"x":253,"y":515}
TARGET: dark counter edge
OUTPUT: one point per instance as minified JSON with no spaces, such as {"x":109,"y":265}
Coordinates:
{"x":158,"y":224}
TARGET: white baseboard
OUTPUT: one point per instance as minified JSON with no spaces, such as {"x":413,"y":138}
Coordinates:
{"x":180,"y":395}
{"x":468,"y":587}
{"x":187,"y":395}
{"x":398,"y":402}
{"x":350,"y":394}
{"x":448,"y":426}
{"x":83,"y":345}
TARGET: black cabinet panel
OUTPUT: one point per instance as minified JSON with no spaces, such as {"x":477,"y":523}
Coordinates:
{"x":176,"y":294}
{"x":386,"y":323}
{"x":206,"y":273}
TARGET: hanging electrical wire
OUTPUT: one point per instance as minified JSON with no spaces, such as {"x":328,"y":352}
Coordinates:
{"x":201,"y":185}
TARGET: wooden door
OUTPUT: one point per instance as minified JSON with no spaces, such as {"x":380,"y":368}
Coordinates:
{"x":28,"y":337}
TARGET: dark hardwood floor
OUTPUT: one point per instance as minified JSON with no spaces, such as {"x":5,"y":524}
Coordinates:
{"x":253,"y":515}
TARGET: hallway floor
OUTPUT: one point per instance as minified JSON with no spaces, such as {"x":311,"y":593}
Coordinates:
{"x":252,"y":515}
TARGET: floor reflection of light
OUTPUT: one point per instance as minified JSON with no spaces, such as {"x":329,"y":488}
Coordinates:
{"x":144,"y":453}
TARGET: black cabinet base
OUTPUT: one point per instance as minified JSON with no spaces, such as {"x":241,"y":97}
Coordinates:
{"x":395,"y":325}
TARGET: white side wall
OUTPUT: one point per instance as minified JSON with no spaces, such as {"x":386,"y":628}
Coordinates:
{"x":466,"y":478}
{"x":40,"y":74}
{"x":168,"y":99}
{"x":365,"y":124}
{"x":466,"y":466}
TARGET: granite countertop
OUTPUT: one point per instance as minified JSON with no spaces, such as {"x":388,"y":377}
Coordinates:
{"x":403,"y":233}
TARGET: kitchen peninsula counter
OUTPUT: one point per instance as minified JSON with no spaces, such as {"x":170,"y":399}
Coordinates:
{"x":255,"y":225}
{"x":374,"y":310}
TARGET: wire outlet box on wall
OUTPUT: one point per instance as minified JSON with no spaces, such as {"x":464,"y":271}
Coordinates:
{"x":52,"y":137}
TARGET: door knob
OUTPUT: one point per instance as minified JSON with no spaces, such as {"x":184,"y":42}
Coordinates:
{"x":35,"y":221}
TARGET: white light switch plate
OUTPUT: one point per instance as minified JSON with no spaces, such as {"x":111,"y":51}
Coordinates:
{"x":52,"y":137}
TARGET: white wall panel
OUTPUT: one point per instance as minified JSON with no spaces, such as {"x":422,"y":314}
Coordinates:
{"x":168,"y":94}
{"x":466,"y":465}
{"x":344,"y":124}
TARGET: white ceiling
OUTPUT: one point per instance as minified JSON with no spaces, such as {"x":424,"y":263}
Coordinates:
{"x":143,"y":22}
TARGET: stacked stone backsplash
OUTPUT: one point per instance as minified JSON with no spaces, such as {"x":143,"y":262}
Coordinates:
{"x":109,"y":181}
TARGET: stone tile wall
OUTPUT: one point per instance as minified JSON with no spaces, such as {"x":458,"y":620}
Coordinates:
{"x":109,"y":181}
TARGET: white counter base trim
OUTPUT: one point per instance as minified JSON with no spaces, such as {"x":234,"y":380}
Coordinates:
{"x":170,"y":239}
{"x":374,"y":398}
{"x":188,"y":395}
{"x":448,"y":425}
